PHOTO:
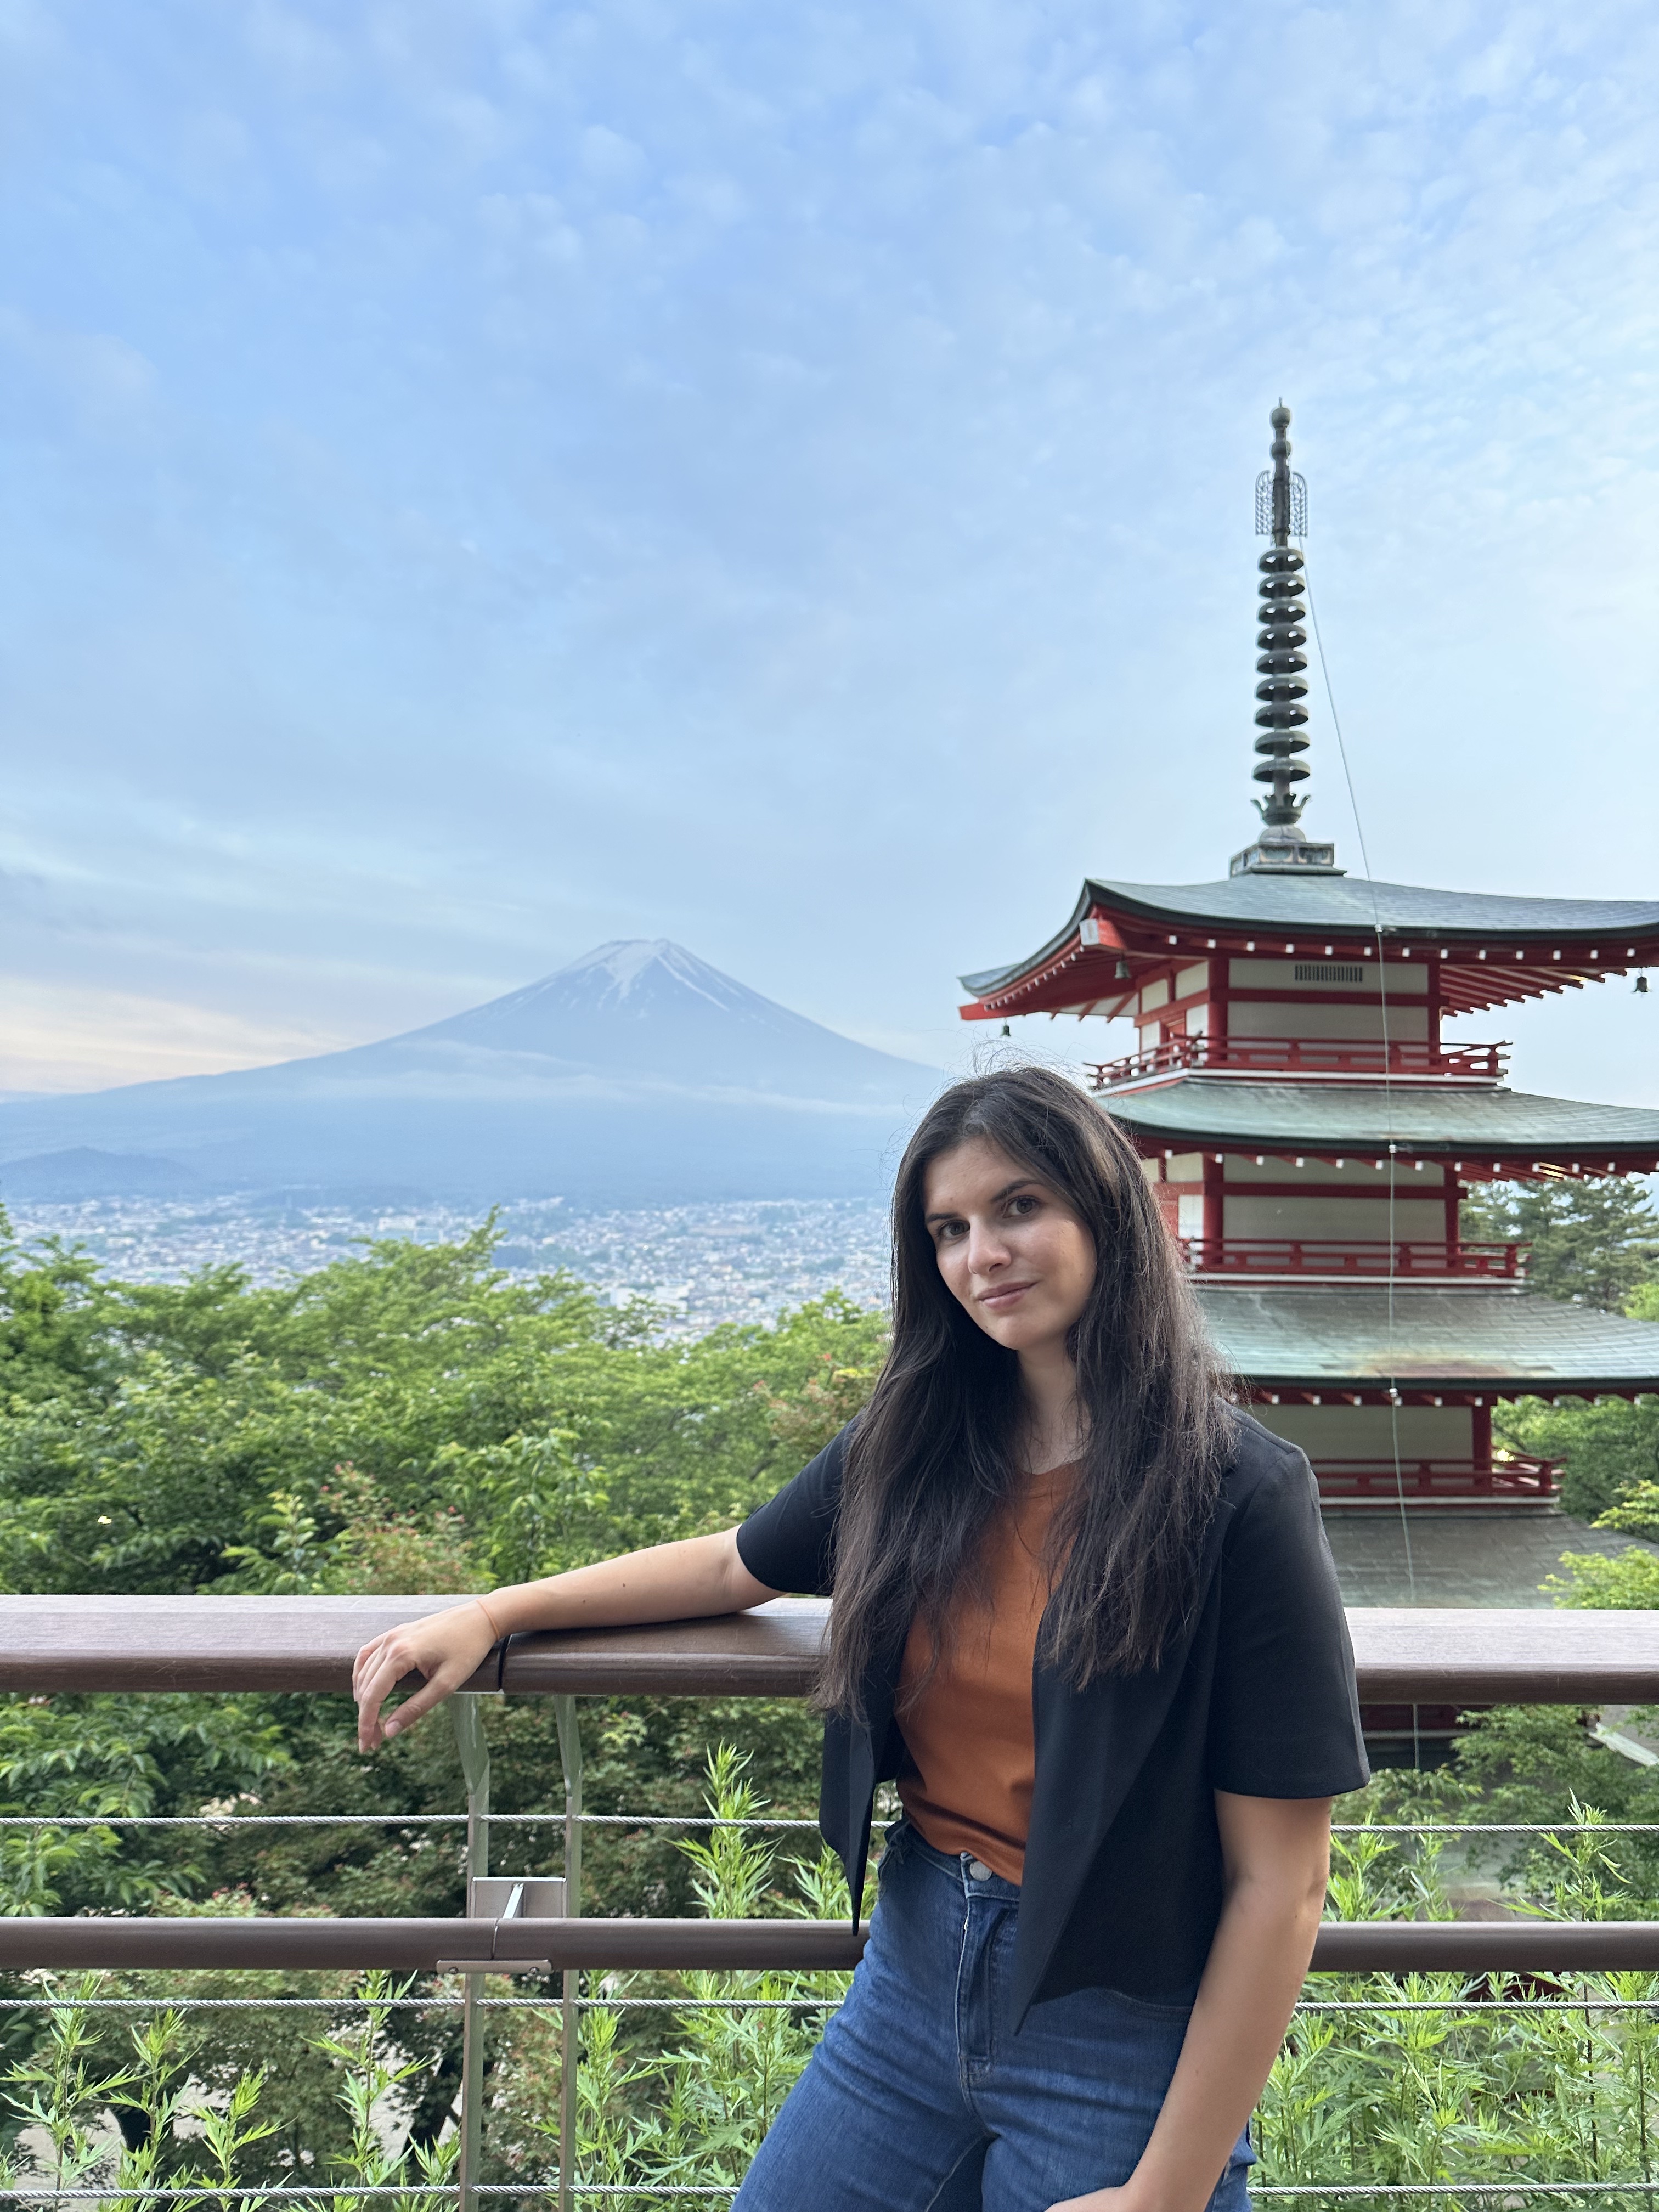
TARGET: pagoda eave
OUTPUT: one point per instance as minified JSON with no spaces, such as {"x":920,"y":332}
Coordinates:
{"x":1488,"y":951}
{"x":1445,"y":1390}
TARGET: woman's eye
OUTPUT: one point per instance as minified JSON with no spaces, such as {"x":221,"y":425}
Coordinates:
{"x":1024,"y":1204}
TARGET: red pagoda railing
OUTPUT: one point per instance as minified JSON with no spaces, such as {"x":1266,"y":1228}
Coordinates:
{"x":1515,"y":1479}
{"x":1307,"y":1256}
{"x":1301,"y":1055}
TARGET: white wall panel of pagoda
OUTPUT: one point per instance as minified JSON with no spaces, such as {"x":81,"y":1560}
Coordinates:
{"x":1321,"y":1217}
{"x":1289,"y":1018}
{"x":1338,"y":1433}
{"x":1347,"y":1002}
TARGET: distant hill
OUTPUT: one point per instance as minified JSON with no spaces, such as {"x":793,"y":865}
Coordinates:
{"x":638,"y":1074}
{"x":84,"y":1172}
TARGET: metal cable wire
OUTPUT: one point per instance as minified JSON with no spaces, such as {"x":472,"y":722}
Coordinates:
{"x":334,"y":2191}
{"x":696,"y":1821}
{"x":422,"y":2004}
{"x":1495,"y":1828}
{"x":247,"y":2004}
{"x":1587,"y":2000}
{"x":1388,"y":1115}
{"x":303,"y":2192}
{"x":719,"y":1820}
{"x":226,"y":1821}
{"x":248,"y":1819}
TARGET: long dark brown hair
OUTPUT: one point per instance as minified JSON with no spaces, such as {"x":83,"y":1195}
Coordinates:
{"x":935,"y":1452}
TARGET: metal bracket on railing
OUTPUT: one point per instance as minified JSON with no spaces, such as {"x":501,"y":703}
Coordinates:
{"x":508,"y":1897}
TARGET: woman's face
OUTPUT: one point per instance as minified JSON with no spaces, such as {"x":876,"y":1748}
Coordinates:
{"x":1010,"y":1247}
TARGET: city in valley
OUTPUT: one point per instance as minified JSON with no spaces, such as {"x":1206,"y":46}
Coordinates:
{"x":741,"y":1261}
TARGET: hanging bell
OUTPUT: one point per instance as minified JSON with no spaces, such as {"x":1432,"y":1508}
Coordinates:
{"x":1121,"y":971}
{"x":1642,"y":984}
{"x":1006,"y":1031}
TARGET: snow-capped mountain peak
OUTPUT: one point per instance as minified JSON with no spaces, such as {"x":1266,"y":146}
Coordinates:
{"x":644,"y":1006}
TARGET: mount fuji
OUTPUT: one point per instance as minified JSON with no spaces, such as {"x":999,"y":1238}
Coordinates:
{"x":639,"y":1074}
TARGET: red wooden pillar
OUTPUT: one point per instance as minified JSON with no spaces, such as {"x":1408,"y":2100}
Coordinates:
{"x":1481,"y":1439}
{"x":1214,"y":1206}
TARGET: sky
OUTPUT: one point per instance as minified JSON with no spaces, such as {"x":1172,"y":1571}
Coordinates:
{"x":483,"y":478}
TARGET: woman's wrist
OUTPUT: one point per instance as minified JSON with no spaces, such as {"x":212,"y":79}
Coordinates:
{"x":512,"y":1608}
{"x":1164,"y":2192}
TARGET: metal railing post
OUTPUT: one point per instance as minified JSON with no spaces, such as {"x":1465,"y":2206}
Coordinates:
{"x":475,"y":1767}
{"x":570,"y":1759}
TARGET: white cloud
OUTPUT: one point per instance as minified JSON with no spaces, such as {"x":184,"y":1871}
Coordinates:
{"x":69,"y":1036}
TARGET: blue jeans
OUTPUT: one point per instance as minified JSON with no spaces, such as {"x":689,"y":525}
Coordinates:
{"x":921,"y":2098}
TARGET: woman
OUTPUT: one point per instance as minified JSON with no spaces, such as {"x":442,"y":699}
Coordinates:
{"x":1086,"y":1616}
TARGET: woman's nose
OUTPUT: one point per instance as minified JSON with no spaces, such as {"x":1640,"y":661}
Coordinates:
{"x":987,"y":1248}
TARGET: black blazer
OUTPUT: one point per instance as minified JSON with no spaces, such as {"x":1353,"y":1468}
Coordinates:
{"x":1123,"y":1871}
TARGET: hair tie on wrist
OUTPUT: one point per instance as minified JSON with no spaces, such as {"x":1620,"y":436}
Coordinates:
{"x":491,"y":1617}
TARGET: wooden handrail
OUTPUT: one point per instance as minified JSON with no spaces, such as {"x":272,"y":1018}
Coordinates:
{"x":419,"y":1946}
{"x":1398,"y":1946}
{"x":1426,"y":1654}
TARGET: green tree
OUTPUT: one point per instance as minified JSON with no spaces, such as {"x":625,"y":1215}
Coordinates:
{"x":53,"y":1318}
{"x":1595,"y":1242}
{"x":1608,"y":1448}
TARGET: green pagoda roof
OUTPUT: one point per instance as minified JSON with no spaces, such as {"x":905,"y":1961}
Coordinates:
{"x":1349,"y":903}
{"x":1481,"y":1123}
{"x":1488,"y":950}
{"x":1511,"y":1341}
{"x":1616,"y":929}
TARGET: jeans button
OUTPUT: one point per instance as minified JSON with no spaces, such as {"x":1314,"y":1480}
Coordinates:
{"x":978,"y":1871}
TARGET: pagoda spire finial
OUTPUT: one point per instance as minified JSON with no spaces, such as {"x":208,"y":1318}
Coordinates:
{"x":1281,"y":513}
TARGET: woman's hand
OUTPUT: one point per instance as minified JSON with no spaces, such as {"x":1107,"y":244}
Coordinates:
{"x":446,"y":1647}
{"x":684,"y":1581}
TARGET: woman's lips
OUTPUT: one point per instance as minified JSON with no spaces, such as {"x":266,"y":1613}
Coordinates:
{"x":1005,"y":1294}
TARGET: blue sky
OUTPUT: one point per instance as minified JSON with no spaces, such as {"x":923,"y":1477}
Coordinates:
{"x":480,"y":479}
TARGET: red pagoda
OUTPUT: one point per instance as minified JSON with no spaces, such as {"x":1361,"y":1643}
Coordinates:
{"x":1312,"y":1135}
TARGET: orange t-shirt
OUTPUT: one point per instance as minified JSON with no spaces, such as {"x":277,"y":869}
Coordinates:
{"x":970,"y":1734}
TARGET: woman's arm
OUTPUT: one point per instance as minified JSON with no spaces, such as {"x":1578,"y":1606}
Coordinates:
{"x":1277,"y":1853}
{"x":685,"y":1580}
